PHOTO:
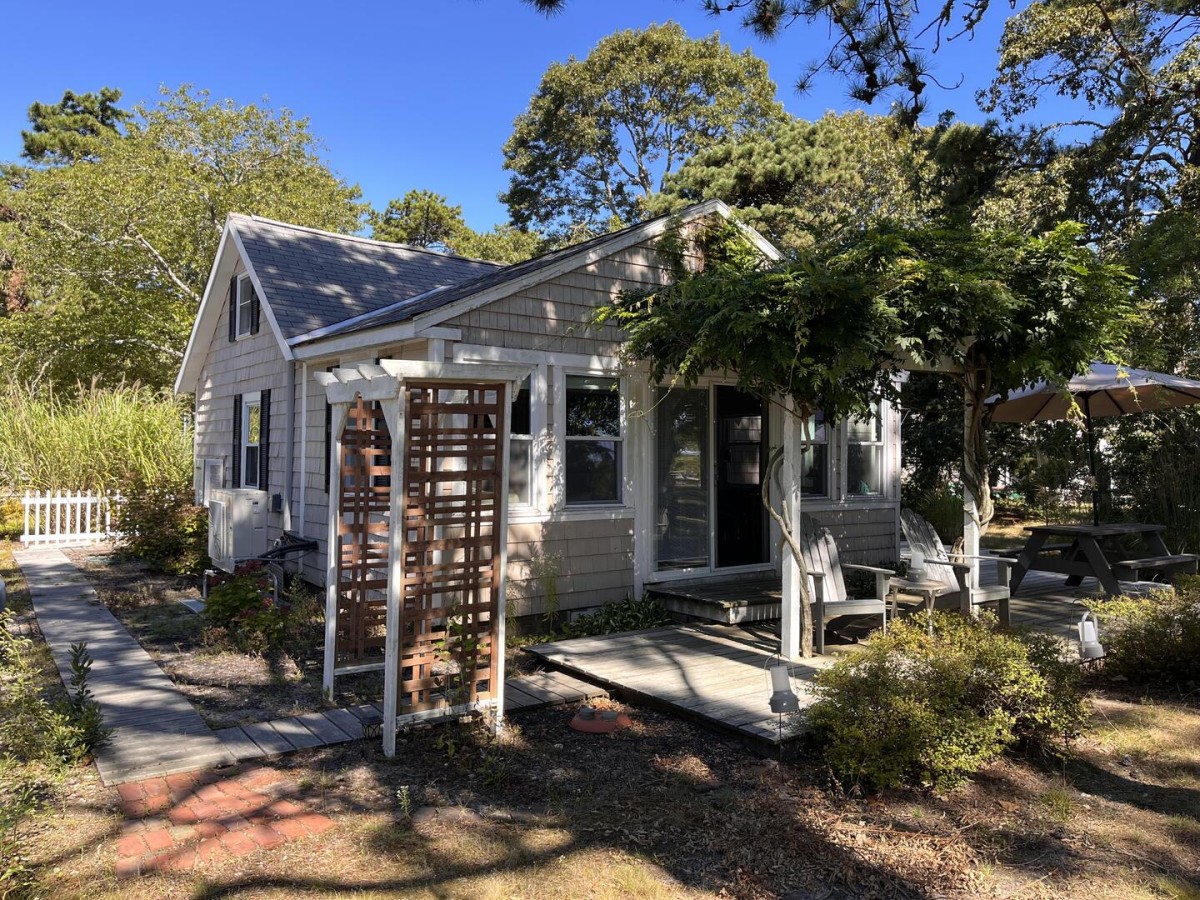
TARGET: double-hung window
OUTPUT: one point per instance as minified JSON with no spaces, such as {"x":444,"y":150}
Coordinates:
{"x":251,"y":442}
{"x":594,"y":439}
{"x":520,"y":448}
{"x":247,"y":307}
{"x":864,"y":453}
{"x":814,"y":458}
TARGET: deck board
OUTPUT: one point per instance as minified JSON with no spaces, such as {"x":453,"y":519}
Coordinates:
{"x":716,"y":674}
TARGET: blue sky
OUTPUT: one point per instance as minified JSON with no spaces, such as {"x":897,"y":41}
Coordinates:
{"x":406,"y":94}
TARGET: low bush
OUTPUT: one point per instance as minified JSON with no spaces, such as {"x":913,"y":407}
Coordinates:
{"x":34,"y":729}
{"x":242,"y":605}
{"x":621,"y":615}
{"x":930,"y":709}
{"x":160,"y":524}
{"x":1153,"y":639}
{"x":12,"y":519}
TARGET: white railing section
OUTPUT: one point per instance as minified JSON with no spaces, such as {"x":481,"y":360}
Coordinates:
{"x":67,"y":517}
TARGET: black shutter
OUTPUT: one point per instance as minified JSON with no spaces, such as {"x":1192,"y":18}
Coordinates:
{"x":236,"y":468}
{"x":264,"y":441}
{"x":255,"y":306}
{"x":233,"y":309}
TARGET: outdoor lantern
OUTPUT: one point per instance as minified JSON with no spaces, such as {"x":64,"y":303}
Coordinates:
{"x":916,"y":566}
{"x":783,"y":698}
{"x":1089,"y":638}
{"x":372,"y":725}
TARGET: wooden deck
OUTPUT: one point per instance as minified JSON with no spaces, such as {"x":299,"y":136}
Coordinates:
{"x":715,"y":674}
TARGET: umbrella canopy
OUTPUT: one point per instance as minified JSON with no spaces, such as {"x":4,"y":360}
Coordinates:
{"x":1104,"y":390}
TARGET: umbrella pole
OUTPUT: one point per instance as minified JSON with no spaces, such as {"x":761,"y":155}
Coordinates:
{"x":1087,"y":416}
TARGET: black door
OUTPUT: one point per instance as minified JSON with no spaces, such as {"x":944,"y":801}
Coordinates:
{"x":741,"y":459}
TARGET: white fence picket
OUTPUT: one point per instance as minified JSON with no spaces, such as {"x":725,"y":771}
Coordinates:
{"x":67,"y":517}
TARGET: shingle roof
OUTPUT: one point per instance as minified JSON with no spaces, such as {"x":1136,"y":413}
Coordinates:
{"x":313,"y":279}
{"x":416,"y":305}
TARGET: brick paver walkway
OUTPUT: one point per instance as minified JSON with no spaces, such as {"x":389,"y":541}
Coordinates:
{"x":180,"y":822}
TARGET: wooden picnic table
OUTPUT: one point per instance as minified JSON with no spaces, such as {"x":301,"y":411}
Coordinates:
{"x":1090,"y":551}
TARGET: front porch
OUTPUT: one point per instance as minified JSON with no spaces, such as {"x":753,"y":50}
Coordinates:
{"x":715,"y":674}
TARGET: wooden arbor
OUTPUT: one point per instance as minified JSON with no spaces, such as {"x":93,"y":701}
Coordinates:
{"x":418,"y":532}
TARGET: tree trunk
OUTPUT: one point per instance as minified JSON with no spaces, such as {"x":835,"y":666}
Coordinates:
{"x":976,"y":474}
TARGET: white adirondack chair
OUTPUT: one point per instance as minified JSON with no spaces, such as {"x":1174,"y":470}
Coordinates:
{"x":830,"y":600}
{"x":956,"y":574}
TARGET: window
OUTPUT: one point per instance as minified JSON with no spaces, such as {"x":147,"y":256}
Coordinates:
{"x":520,"y":448}
{"x":251,"y":439}
{"x":681,"y":482}
{"x":814,"y":459}
{"x":864,"y":454}
{"x":247,"y":307}
{"x":593,"y":439}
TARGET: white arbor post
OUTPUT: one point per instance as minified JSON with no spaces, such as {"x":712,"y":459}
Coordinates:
{"x":970,"y":508}
{"x":791,"y":473}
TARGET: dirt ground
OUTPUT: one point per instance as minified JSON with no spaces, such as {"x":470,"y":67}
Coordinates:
{"x":661,"y":810}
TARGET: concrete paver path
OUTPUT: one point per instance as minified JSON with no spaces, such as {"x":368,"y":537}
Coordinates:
{"x":156,"y":731}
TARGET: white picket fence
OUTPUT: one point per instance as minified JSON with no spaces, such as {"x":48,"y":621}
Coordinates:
{"x":67,"y":517}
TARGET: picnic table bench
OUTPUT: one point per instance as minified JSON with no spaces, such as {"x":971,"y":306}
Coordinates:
{"x":1090,"y":553}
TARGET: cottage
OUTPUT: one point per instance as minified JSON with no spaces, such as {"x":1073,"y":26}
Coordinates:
{"x":614,"y":484}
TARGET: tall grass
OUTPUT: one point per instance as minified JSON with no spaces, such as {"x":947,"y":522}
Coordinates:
{"x":97,"y":439}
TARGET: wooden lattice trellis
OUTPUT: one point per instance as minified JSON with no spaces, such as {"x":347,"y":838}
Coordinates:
{"x":364,"y":488}
{"x":449,"y":605}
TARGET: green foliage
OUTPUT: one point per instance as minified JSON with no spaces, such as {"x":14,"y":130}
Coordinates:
{"x":621,"y":615}
{"x":1153,"y":639}
{"x":97,"y":439}
{"x":33,"y":728}
{"x":114,"y":253}
{"x":242,"y":605}
{"x":160,"y":524}
{"x":74,"y":129}
{"x":602,"y":131}
{"x":804,"y":183}
{"x":426,"y":219}
{"x":12,"y":519}
{"x":419,"y":218}
{"x":20,"y":799}
{"x":915,"y":708}
{"x":1168,"y":445}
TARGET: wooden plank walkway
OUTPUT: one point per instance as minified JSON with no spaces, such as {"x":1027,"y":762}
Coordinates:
{"x":156,"y":731}
{"x":337,"y":726}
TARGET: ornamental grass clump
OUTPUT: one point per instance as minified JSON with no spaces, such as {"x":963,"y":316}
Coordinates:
{"x":1153,"y":639}
{"x":915,"y":708}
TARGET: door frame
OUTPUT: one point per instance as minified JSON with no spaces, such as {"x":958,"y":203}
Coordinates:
{"x":645,"y":533}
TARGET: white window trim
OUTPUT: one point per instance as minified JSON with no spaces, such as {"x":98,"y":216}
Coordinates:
{"x":540,"y":440}
{"x":626,"y":499}
{"x":883,"y":443}
{"x":248,"y":400}
{"x":831,"y":471}
{"x":239,"y":302}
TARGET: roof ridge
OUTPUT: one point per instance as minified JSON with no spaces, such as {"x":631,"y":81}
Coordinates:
{"x":393,"y":245}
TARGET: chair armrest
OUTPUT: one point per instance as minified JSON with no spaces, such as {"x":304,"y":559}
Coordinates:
{"x":994,"y":558}
{"x":874,"y":569}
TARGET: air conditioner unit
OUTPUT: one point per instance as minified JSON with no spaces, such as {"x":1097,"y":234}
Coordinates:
{"x":237,"y":525}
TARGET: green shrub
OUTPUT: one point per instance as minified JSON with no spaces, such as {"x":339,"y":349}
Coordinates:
{"x":20,"y":798}
{"x":621,"y":615}
{"x":1153,"y":639}
{"x":242,"y":604}
{"x":159,"y":523}
{"x":12,"y":519}
{"x":916,"y":708}
{"x":31,"y":727}
{"x":303,"y":616}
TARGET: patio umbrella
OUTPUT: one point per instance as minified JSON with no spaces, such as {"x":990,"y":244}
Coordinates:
{"x":1104,"y":390}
